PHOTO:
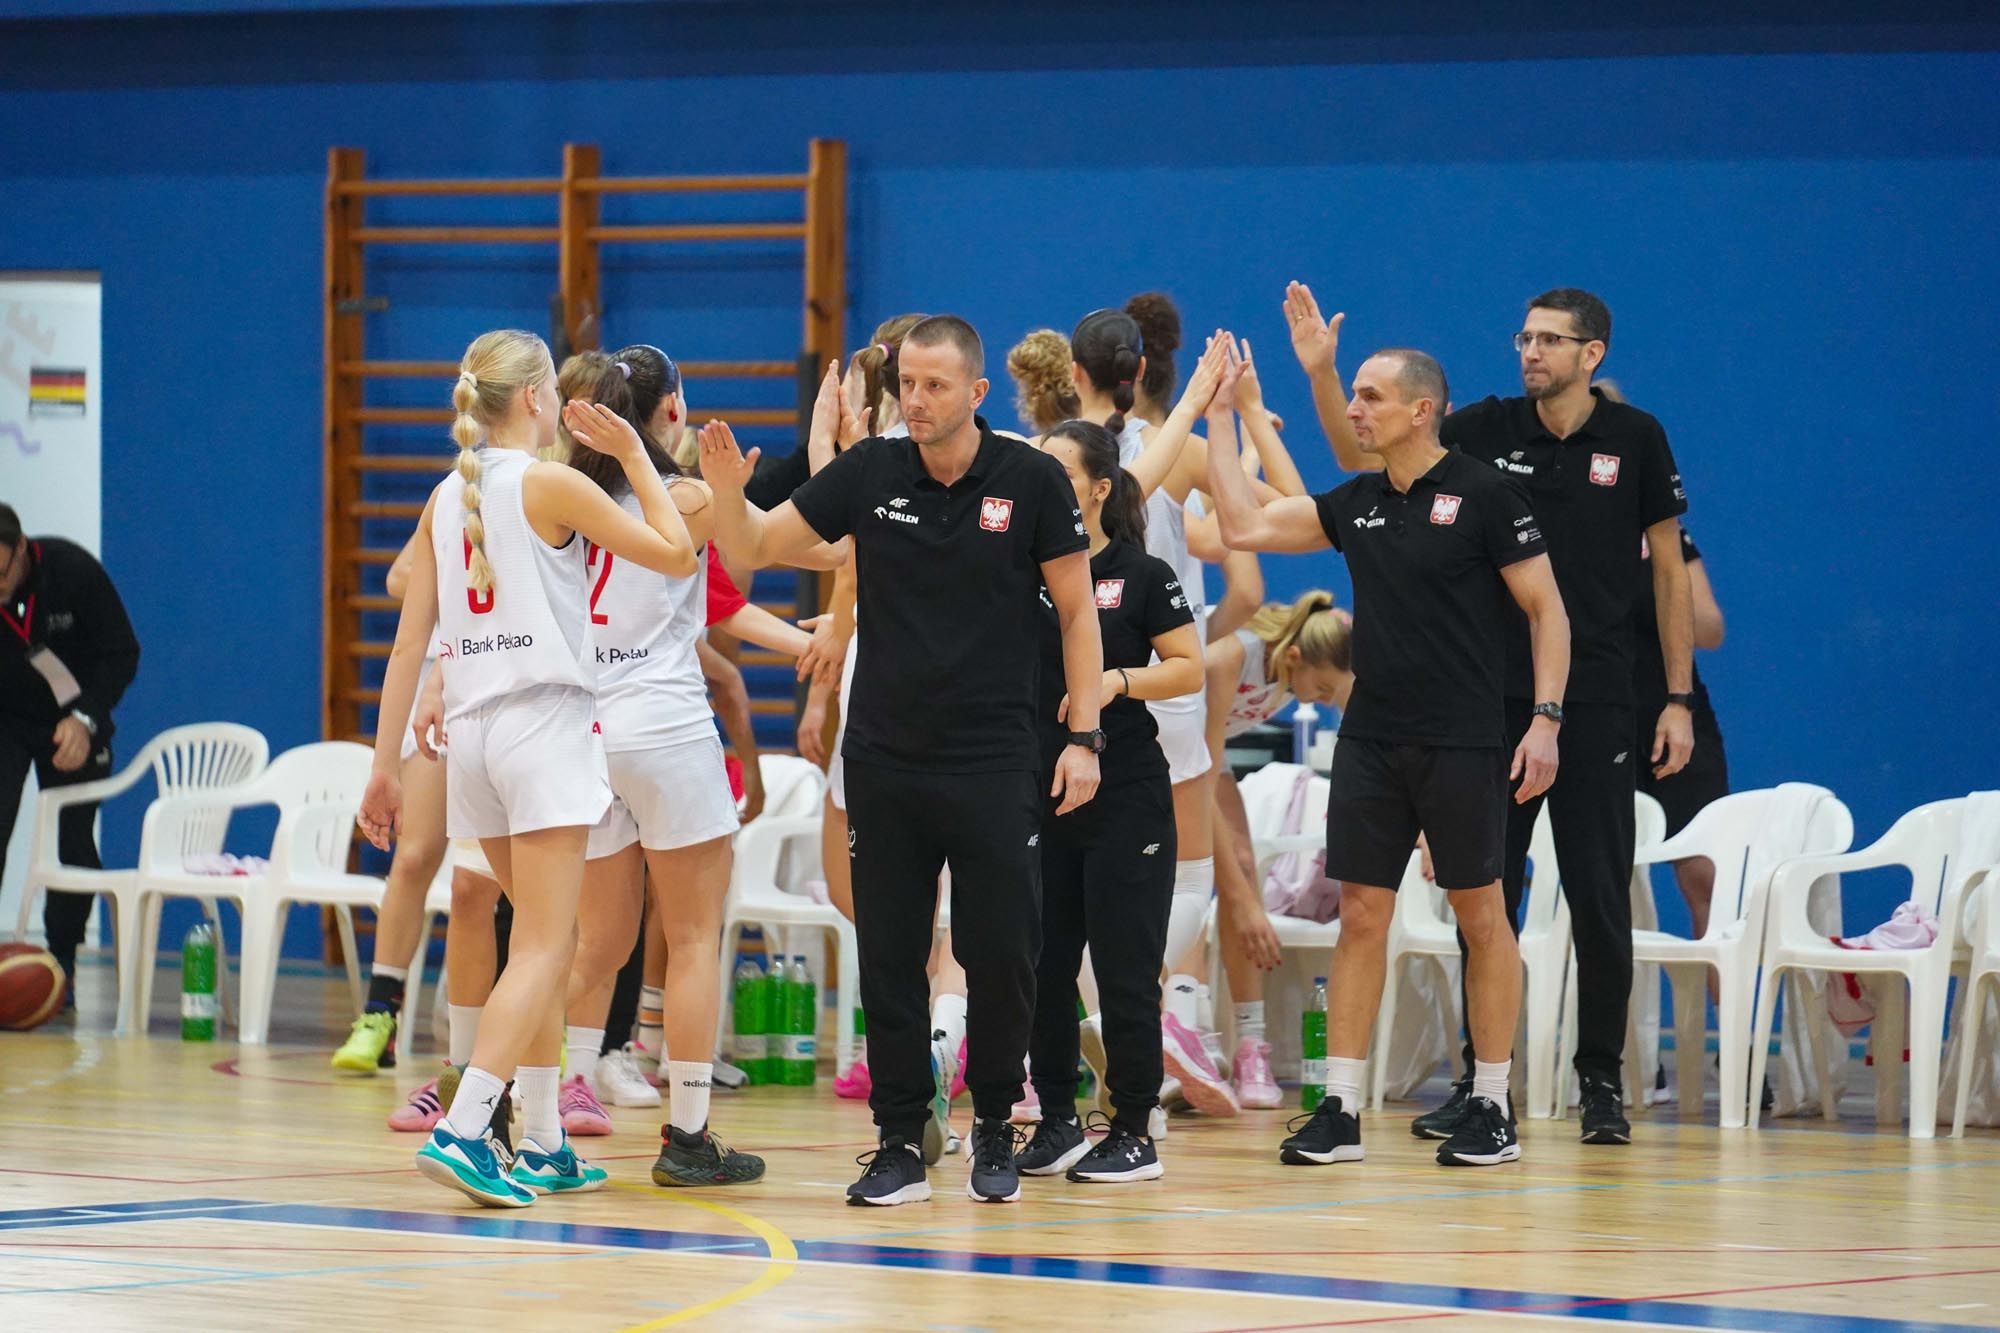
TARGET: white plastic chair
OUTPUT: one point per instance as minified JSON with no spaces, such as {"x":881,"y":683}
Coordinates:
{"x":437,"y":903}
{"x":1982,"y":916}
{"x":317,"y":789}
{"x":776,"y":852}
{"x":1421,"y":927}
{"x":1946,"y":846}
{"x":1746,"y":834}
{"x":1266,"y":794}
{"x":191,"y":766}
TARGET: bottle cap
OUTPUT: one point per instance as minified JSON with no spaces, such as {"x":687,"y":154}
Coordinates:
{"x":1319,"y":981}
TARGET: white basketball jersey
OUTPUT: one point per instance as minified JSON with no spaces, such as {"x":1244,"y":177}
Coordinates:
{"x":644,"y":626}
{"x":1166,"y":524}
{"x":532,"y":628}
{"x":1256,"y":698}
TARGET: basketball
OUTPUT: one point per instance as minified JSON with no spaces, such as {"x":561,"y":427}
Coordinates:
{"x":31,"y":986}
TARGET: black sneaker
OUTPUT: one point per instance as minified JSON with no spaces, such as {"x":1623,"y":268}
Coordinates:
{"x":1485,"y":1136}
{"x":892,"y":1174}
{"x":1057,"y":1146}
{"x":702,"y":1159}
{"x":1443,"y":1122}
{"x":1603,"y":1111}
{"x":1119,"y":1156}
{"x":993,"y":1178}
{"x":1328,"y":1135}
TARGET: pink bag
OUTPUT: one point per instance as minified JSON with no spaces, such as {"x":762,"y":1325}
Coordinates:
{"x":1296,"y":884}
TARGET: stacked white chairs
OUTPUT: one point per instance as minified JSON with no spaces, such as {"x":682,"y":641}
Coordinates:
{"x":1982,"y":916}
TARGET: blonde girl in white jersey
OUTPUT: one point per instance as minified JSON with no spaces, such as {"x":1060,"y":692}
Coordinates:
{"x":507,"y":589}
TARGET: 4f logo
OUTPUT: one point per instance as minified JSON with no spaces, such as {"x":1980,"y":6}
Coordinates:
{"x":995,"y":514}
{"x":1604,"y":469}
{"x":1110,"y":592}
{"x":1444,"y":509}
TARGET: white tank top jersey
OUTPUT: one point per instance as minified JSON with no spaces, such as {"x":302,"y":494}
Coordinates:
{"x":1256,"y":698}
{"x":644,"y":627}
{"x":532,"y":628}
{"x":1166,"y":523}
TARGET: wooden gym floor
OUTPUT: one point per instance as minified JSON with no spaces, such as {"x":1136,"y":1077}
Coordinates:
{"x":151,"y":1184}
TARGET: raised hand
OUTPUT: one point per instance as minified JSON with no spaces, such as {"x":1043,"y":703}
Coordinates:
{"x":1314,"y":339}
{"x":1231,"y":376}
{"x":828,"y":413}
{"x":1249,"y":391}
{"x":595,"y":426}
{"x":724,"y":466}
{"x":1207,"y":373}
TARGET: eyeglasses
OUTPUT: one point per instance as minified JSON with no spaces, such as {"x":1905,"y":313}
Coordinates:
{"x":1546,"y":341}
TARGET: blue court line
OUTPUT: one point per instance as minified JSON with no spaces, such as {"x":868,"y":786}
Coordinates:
{"x":1045,"y":1267}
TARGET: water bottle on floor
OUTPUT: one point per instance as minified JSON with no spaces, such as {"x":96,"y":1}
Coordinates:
{"x":747,"y":1050}
{"x":198,"y":1002}
{"x":801,"y":1027}
{"x":776,"y":992}
{"x":1312,"y":1047}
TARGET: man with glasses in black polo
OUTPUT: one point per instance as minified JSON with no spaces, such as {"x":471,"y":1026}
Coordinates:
{"x":1600,"y":476}
{"x":67,"y":654}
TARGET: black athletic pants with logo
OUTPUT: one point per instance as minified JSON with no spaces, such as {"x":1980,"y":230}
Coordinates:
{"x":1592,"y":823}
{"x":65,"y":916}
{"x":1107,"y":881}
{"x":903,"y":828}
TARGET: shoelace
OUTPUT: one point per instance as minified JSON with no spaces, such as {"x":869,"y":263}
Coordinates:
{"x":878,"y":1161}
{"x":1117,"y":1139}
{"x":1325,"y":1108}
{"x":1046,"y":1125}
{"x":994,"y":1144}
{"x":578,"y":1097}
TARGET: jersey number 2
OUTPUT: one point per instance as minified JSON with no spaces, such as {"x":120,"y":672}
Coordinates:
{"x":480,"y":602}
{"x":603,"y":577}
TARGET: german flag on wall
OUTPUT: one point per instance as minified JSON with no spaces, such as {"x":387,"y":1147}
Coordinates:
{"x":54,"y":392}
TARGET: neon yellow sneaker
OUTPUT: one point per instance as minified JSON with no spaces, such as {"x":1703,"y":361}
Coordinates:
{"x":371,"y":1045}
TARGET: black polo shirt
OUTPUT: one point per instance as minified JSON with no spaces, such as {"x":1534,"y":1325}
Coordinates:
{"x":948,"y":598}
{"x":1595,"y":493}
{"x":66,"y":605}
{"x":1649,"y":671}
{"x":1139,"y":597}
{"x":1430,"y":607}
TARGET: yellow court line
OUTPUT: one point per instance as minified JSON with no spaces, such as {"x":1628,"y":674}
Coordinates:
{"x":783,"y":1259}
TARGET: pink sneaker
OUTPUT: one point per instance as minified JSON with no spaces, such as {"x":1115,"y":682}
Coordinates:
{"x":1201,"y":1083}
{"x":854,"y":1085}
{"x":648,"y":1062}
{"x":582,"y":1114}
{"x":420,"y":1114}
{"x":958,"y":1079}
{"x":1256,"y":1090}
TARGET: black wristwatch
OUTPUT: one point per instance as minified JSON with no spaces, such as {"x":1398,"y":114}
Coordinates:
{"x":1684,"y":700}
{"x":1092,"y":741}
{"x":1553,"y":712}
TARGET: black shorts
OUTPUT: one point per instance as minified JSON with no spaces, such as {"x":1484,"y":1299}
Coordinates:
{"x":1705,"y":779}
{"x":1380,"y":796}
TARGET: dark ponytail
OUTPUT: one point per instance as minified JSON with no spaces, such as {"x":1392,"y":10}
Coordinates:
{"x":599,"y":377}
{"x":1109,"y":347}
{"x":1124,"y":514}
{"x":651,"y":377}
{"x":1160,"y":325}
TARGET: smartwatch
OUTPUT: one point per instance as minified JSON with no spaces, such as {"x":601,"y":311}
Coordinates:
{"x":1092,"y":741}
{"x":1684,"y":700}
{"x":89,"y":722}
{"x":1553,"y":712}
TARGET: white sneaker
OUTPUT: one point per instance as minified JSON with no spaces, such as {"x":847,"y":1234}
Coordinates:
{"x":620,"y":1083}
{"x":1090,"y":1041}
{"x":726,"y":1075}
{"x":1211,"y":1043}
{"x":1156,"y":1123}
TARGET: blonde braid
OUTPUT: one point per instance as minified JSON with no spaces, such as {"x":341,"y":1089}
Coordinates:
{"x":465,"y":433}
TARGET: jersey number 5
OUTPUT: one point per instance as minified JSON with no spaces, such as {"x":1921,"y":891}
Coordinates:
{"x":480,"y":602}
{"x":603,"y":577}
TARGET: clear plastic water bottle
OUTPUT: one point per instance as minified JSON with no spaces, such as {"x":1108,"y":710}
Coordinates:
{"x":771,"y":1060}
{"x":1312,"y":1047}
{"x":801,"y":1026}
{"x":1304,"y":717}
{"x":752,"y":1021}
{"x":198,"y":1003}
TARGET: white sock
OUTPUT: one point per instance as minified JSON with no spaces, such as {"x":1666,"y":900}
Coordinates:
{"x":471,"y":1110}
{"x":651,"y":1032}
{"x":1194,"y":885}
{"x":1490,"y":1081}
{"x":464,"y":1031}
{"x":1181,"y":999}
{"x":541,"y":1122}
{"x":384,"y":970}
{"x":687,"y":1095}
{"x":1343,"y":1080}
{"x":1250,"y":1021}
{"x":948,"y":1017}
{"x":1204,"y":1008}
{"x":583,"y":1046}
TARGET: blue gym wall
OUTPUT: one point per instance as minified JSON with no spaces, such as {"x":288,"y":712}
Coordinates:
{"x":1791,"y":216}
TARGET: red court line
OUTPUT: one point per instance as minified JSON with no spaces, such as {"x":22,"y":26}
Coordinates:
{"x":1436,"y":1253}
{"x":1557,"y":1307}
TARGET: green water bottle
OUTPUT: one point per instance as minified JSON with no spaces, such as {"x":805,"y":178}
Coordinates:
{"x":198,"y":1002}
{"x":801,"y":1026}
{"x":1312,"y":1048}
{"x":747,"y":1049}
{"x":772,"y":1057}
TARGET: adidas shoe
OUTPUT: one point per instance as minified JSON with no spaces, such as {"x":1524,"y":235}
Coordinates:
{"x":1119,"y":1157}
{"x":1485,"y":1137}
{"x":370,"y":1044}
{"x":892,"y":1174}
{"x":702,"y":1159}
{"x":475,"y":1168}
{"x":1442,"y":1123}
{"x":1057,"y":1145}
{"x":420,"y":1114}
{"x":1328,"y":1135}
{"x":558,"y":1172}
{"x":993,"y":1178}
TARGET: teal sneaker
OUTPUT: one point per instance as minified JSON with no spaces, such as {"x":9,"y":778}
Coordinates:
{"x":558,"y":1172}
{"x":473,"y":1167}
